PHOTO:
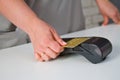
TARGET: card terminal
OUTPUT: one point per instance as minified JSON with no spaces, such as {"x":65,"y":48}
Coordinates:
{"x":95,"y":49}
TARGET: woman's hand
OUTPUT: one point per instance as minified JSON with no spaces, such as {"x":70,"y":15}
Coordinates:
{"x":108,"y":10}
{"x":46,"y":42}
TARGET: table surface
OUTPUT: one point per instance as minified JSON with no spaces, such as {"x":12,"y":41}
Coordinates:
{"x":18,"y":63}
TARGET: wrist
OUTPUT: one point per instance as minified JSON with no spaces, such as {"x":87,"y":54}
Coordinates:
{"x":35,"y":26}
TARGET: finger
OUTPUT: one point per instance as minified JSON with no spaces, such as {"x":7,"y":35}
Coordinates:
{"x":38,"y":57}
{"x":119,"y":18}
{"x":44,"y":56}
{"x":55,"y":46}
{"x":51,"y":53}
{"x":116,"y":19}
{"x":106,"y":20}
{"x":57,"y":37}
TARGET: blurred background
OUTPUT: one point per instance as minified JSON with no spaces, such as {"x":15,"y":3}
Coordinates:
{"x":92,"y":15}
{"x":93,"y":18}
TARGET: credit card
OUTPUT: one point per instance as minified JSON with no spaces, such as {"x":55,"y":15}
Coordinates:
{"x":75,"y":42}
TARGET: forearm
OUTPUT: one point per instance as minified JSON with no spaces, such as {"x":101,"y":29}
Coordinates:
{"x":18,"y":12}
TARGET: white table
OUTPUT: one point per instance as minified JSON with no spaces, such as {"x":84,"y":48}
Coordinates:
{"x":18,"y":63}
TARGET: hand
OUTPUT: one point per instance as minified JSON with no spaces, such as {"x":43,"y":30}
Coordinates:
{"x":108,"y":10}
{"x":46,"y":42}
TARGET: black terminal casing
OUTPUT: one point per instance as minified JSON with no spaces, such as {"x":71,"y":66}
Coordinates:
{"x":95,"y":49}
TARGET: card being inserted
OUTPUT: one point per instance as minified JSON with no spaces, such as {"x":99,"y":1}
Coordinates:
{"x":95,"y":49}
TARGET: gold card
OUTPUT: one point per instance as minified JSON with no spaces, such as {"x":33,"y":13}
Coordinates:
{"x":75,"y":42}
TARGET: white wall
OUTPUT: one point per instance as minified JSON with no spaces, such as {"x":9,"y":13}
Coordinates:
{"x":91,"y":13}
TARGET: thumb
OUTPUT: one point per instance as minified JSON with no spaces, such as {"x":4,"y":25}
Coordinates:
{"x":106,"y":20}
{"x":57,"y":37}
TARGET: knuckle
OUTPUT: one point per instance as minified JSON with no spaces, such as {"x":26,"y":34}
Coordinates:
{"x":51,"y":54}
{"x":59,"y":39}
{"x":114,"y":14}
{"x":54,"y":56}
{"x":47,"y":59}
{"x":55,"y":46}
{"x":58,"y":49}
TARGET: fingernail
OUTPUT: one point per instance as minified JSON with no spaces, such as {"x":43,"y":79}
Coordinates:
{"x":64,"y":43}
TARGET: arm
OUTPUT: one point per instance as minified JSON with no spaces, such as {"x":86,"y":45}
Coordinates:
{"x":108,"y":10}
{"x":47,"y":46}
